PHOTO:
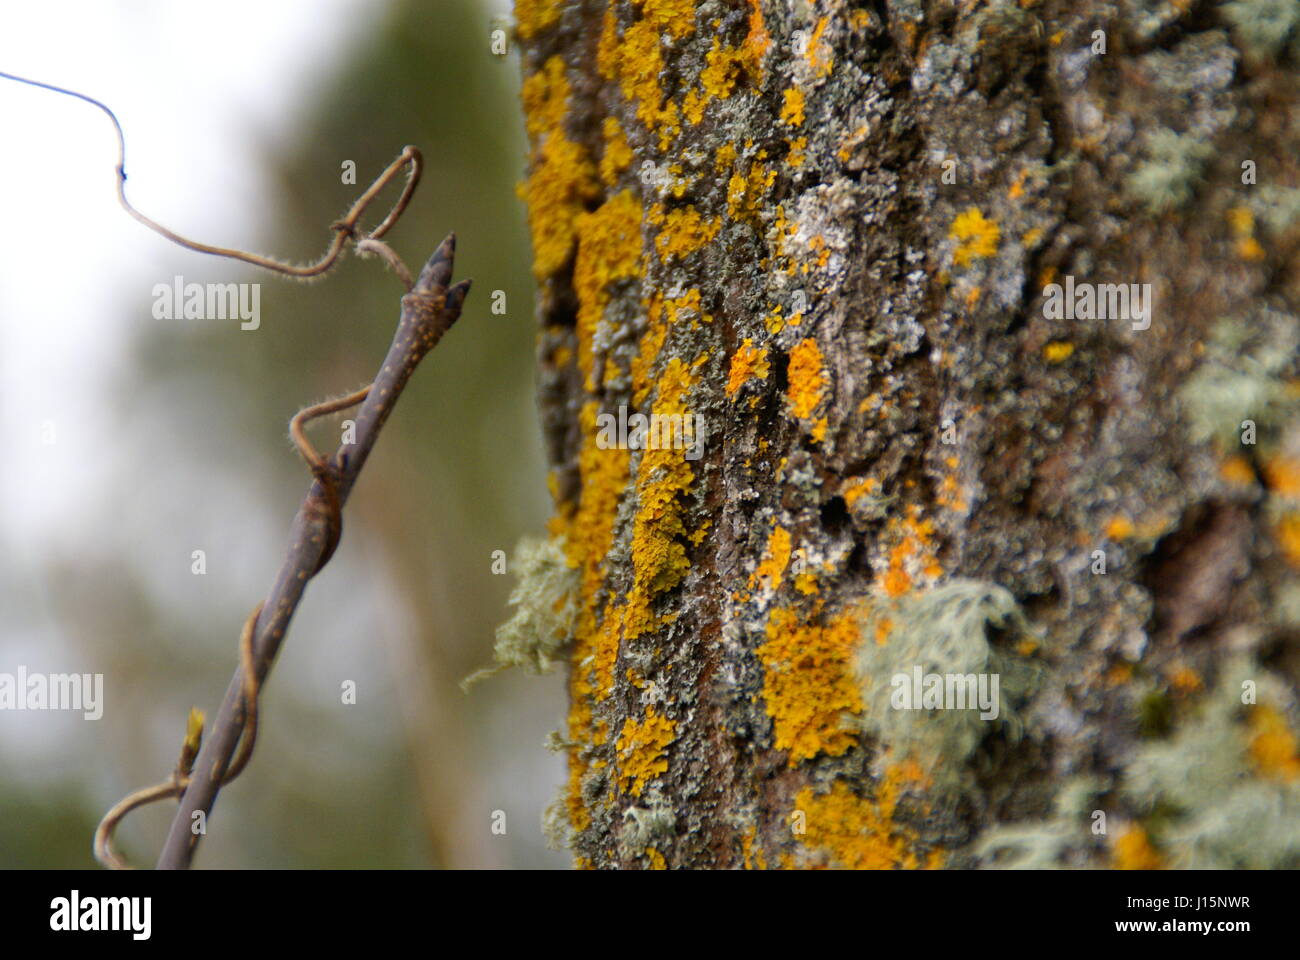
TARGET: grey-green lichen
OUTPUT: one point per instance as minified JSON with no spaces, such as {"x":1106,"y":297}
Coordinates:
{"x":1215,"y":810}
{"x":1166,"y":176}
{"x":1200,"y":793}
{"x":1242,"y":377}
{"x":944,"y":631}
{"x":545,"y":601}
{"x":1262,"y":27}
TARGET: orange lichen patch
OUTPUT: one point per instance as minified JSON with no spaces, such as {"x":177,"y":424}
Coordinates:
{"x":1119,"y":674}
{"x":1027,"y":647}
{"x":637,"y":62}
{"x":977,"y":236}
{"x":579,"y":817}
{"x":677,"y":17}
{"x":545,"y":96}
{"x":792,"y":108}
{"x":561,"y":179}
{"x":659,"y":559}
{"x":754,"y":859}
{"x":609,"y":249}
{"x":775,"y":559}
{"x":687,"y":307}
{"x":603,"y":474}
{"x":656,"y":859}
{"x":1058,"y":351}
{"x":534,"y":16}
{"x":725,"y":158}
{"x":1133,"y":851}
{"x":1242,"y":221}
{"x":682,"y":232}
{"x":1018,"y":185}
{"x":1273,"y":745}
{"x":807,"y":378}
{"x":1185,"y":680}
{"x":757,"y":41}
{"x":652,"y":342}
{"x":856,"y":490}
{"x":1119,"y":527}
{"x":617,"y":155}
{"x":950,"y":494}
{"x":746,"y":363}
{"x":819,"y":53}
{"x":851,"y":143}
{"x":859,"y":833}
{"x":745,"y":194}
{"x":1237,"y":471}
{"x":912,"y":554}
{"x":1031,"y":238}
{"x":809,"y":684}
{"x":607,"y":47}
{"x":796,"y":157}
{"x":722,"y":68}
{"x":806,"y":583}
{"x":642,"y":750}
{"x":1282,"y":474}
{"x":818,"y":431}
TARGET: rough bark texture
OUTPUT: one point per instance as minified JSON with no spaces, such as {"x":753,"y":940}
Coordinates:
{"x":740,"y":211}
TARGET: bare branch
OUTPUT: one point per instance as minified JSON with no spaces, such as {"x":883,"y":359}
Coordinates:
{"x":428,"y":311}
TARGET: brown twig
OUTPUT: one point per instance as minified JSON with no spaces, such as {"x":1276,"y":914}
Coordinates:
{"x":344,"y":230}
{"x":429,"y":309}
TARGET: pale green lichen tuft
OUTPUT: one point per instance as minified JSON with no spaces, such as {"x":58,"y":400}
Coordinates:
{"x":1165,"y":178}
{"x":944,"y":631}
{"x":1242,"y":377}
{"x":1215,"y":809}
{"x":546,"y":602}
{"x":1263,"y":26}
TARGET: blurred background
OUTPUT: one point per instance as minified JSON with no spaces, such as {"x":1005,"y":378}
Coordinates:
{"x":132,"y":442}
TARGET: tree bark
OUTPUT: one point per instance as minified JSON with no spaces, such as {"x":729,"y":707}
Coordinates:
{"x":858,"y":244}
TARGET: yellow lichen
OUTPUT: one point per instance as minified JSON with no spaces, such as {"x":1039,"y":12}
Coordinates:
{"x":562,"y":179}
{"x":682,"y":232}
{"x":792,"y":108}
{"x":819,"y":54}
{"x":1133,"y":851}
{"x":807,"y":378}
{"x":859,"y":833}
{"x":642,"y":750}
{"x":809,"y":684}
{"x":745,"y":194}
{"x":1287,"y":532}
{"x":1119,"y":527}
{"x":534,"y":16}
{"x":977,"y":236}
{"x":772,"y":567}
{"x":637,"y":62}
{"x":746,"y":363}
{"x":617,"y":155}
{"x":1273,"y":745}
{"x":797,"y":154}
{"x":1058,"y":351}
{"x":1282,"y":474}
{"x":609,"y":249}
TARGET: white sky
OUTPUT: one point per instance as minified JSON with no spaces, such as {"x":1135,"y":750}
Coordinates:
{"x":194,"y":86}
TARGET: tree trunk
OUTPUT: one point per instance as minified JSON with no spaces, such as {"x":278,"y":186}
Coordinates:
{"x":864,"y":249}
